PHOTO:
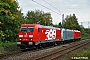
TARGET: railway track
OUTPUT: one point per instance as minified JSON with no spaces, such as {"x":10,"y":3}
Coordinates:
{"x":48,"y":53}
{"x":31,"y":51}
{"x":59,"y":52}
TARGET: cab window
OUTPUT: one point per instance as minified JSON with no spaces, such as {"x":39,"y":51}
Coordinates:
{"x":27,"y":29}
{"x":23,"y":29}
{"x":30,"y":29}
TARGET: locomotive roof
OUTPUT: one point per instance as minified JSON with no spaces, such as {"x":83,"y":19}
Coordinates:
{"x":29,"y":24}
{"x":76,"y":31}
{"x":50,"y":27}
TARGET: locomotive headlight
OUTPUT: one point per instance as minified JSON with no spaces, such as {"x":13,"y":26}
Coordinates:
{"x":30,"y":36}
{"x":20,"y":35}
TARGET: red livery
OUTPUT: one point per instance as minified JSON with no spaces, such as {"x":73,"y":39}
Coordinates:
{"x":77,"y":34}
{"x":36,"y":35}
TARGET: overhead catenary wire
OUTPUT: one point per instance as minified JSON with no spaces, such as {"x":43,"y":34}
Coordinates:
{"x":46,"y":7}
{"x":52,"y":6}
{"x":57,"y":10}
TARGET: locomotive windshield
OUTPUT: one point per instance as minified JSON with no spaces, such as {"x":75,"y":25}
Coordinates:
{"x":27,"y":29}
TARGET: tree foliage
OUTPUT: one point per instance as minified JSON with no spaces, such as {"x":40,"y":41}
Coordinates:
{"x":10,"y":19}
{"x":38,"y":17}
{"x":71,"y":22}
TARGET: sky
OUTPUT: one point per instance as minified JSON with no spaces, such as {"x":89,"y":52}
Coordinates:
{"x":81,"y":8}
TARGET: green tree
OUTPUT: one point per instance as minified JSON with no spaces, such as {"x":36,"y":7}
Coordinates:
{"x":71,"y":22}
{"x":10,"y":19}
{"x":38,"y":17}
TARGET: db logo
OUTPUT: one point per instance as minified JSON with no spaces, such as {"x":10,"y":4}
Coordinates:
{"x":51,"y":34}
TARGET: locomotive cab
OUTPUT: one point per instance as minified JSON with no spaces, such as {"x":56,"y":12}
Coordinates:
{"x":27,"y":35}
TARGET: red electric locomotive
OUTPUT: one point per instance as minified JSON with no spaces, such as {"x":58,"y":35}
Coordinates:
{"x":37,"y":35}
{"x":77,"y":35}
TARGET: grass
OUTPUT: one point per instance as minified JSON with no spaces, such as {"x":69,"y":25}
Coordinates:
{"x":84,"y":54}
{"x":8,"y":47}
{"x":3,"y":52}
{"x":85,"y":36}
{"x":7,"y":44}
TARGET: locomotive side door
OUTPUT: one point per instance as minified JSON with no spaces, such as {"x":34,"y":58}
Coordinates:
{"x":42,"y":35}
